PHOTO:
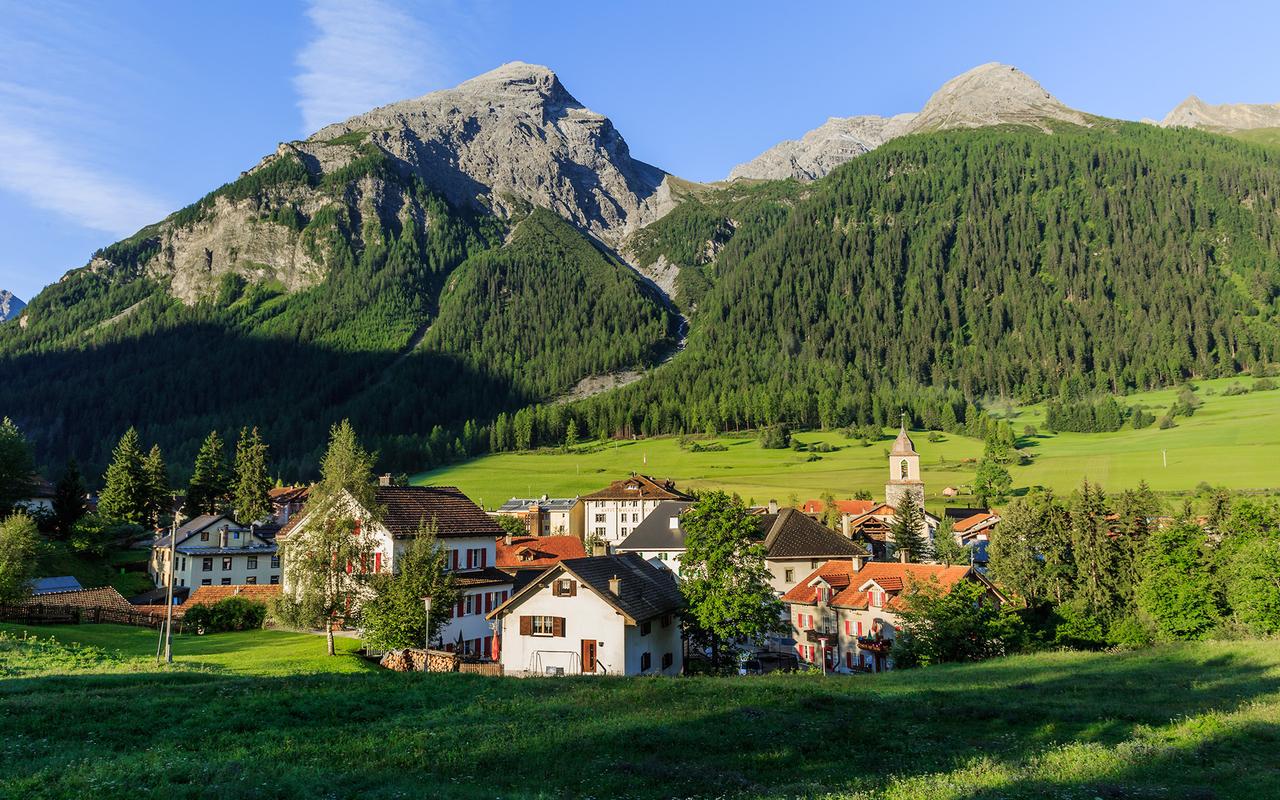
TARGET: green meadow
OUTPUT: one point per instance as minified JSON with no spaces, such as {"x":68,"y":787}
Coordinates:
{"x":1231,"y":441}
{"x":88,"y":713}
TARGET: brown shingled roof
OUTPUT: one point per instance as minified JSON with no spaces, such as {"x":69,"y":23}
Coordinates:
{"x":792,"y":534}
{"x":102,"y":597}
{"x":407,"y":507}
{"x":639,"y":487}
{"x":208,"y":595}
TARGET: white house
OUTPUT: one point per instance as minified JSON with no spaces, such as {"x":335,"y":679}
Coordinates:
{"x":658,"y":538}
{"x":612,"y":513}
{"x":546,"y":516}
{"x":601,"y":615}
{"x":470,"y":538}
{"x":213,"y":550}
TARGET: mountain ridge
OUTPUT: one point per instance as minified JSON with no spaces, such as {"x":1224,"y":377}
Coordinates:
{"x":10,"y":305}
{"x":1224,"y":117}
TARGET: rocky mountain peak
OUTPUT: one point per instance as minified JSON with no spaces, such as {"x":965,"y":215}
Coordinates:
{"x":992,"y":94}
{"x":10,"y":305}
{"x":1196,"y":113}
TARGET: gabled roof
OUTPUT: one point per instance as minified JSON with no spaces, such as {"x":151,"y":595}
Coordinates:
{"x":855,"y":507}
{"x":281,"y":495}
{"x":891,"y":577}
{"x":196,"y":525}
{"x":837,"y":574}
{"x":40,"y":488}
{"x":792,"y":534}
{"x":405,"y":508}
{"x":528,"y":552}
{"x":639,"y":487}
{"x":655,"y":532}
{"x":976,"y":523}
{"x":645,"y":591}
{"x":102,"y":597}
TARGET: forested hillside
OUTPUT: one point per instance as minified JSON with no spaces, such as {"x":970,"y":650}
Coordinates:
{"x":956,"y":266}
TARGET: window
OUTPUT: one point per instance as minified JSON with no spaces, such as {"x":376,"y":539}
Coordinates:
{"x":565,"y":587}
{"x":182,"y":581}
{"x":206,"y":582}
{"x":184,"y":564}
{"x":789,"y":576}
{"x":645,"y":627}
{"x":600,"y":532}
{"x":204,"y":536}
{"x":666,"y":620}
{"x":470,"y":605}
{"x":624,"y":531}
{"x":667,"y":660}
{"x":253,"y":562}
{"x":599,"y":517}
{"x":275,"y":562}
{"x":543,"y":626}
{"x":902,"y":468}
{"x":251,"y":580}
{"x":662,"y":556}
{"x":226,"y":581}
{"x":813,"y":563}
{"x":235,"y":535}
{"x":646,"y":661}
{"x":226,"y":563}
{"x":206,"y":565}
{"x":635,"y":517}
{"x":275,"y":579}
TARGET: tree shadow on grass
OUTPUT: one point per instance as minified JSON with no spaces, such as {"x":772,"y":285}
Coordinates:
{"x":386,"y":734}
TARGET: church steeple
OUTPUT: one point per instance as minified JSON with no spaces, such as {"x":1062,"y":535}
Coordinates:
{"x":904,"y":468}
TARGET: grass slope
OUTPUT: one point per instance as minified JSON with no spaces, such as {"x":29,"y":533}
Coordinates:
{"x":1232,"y":441}
{"x":264,"y":716}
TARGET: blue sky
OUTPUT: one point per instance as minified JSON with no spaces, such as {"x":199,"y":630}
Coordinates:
{"x":114,"y":114}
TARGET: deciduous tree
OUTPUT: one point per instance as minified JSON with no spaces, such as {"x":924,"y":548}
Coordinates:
{"x":396,"y":616}
{"x":19,"y":542}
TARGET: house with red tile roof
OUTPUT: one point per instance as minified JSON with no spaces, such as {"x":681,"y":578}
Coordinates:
{"x":846,"y":616}
{"x":516,"y":553}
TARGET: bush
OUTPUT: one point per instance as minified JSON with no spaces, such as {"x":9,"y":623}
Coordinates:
{"x":230,"y":614}
{"x":1166,"y":422}
{"x":1264,"y":385}
{"x":776,"y":438}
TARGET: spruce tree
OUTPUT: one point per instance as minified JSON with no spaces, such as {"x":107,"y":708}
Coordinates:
{"x":946,"y":550}
{"x":253,"y":484}
{"x":126,"y":491}
{"x":571,"y":434}
{"x":210,"y":485}
{"x":1098,"y":574}
{"x":159,"y":490}
{"x":68,"y":500}
{"x":16,"y":465}
{"x":908,"y":521}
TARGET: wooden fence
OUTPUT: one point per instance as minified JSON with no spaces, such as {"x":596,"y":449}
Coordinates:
{"x":47,"y":614}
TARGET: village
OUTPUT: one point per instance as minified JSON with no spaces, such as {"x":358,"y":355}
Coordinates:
{"x":587,"y":585}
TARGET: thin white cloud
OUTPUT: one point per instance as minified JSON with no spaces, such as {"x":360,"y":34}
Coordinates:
{"x":365,"y":54}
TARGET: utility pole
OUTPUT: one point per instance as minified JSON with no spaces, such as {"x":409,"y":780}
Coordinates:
{"x":167,"y":635}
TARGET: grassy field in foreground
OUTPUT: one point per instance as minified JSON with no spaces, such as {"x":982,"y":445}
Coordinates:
{"x":1232,"y":441}
{"x":261,"y":714}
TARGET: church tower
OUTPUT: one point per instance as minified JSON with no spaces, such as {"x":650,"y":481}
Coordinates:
{"x":904,"y":470}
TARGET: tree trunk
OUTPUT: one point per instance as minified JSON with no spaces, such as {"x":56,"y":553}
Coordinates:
{"x":328,"y":635}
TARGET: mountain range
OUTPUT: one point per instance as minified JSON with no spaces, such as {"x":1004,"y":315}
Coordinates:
{"x":475,"y":268}
{"x":10,"y":306}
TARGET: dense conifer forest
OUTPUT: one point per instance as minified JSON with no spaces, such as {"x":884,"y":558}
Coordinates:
{"x":933,"y":274}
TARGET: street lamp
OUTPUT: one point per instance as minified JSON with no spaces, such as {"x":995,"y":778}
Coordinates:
{"x":426,"y":635}
{"x":822,"y":642}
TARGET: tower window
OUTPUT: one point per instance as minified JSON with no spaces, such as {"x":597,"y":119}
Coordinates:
{"x":902,"y":467}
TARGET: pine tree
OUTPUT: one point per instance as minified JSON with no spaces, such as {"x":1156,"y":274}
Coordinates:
{"x":908,"y":521}
{"x":1096,"y":554}
{"x":210,"y":485}
{"x":252,"y":481}
{"x":68,"y":500}
{"x":571,"y":434}
{"x":946,"y":550}
{"x":126,"y":492}
{"x":325,"y":557}
{"x":159,"y":491}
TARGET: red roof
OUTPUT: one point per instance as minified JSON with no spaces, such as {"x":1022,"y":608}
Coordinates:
{"x":838,"y":574}
{"x":208,"y":595}
{"x":857,"y":507}
{"x":890,"y":576}
{"x":639,"y":487}
{"x":526,"y":552}
{"x":976,"y":521}
{"x":101,"y":597}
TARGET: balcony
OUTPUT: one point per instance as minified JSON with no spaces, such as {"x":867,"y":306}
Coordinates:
{"x":874,"y":645}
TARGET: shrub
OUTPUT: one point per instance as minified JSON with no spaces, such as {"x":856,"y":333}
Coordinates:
{"x":230,"y":614}
{"x":777,"y":437}
{"x":1166,"y":422}
{"x":1264,"y":385}
{"x":1236,"y":388}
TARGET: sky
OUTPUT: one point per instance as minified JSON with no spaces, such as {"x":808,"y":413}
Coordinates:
{"x":112,"y":115}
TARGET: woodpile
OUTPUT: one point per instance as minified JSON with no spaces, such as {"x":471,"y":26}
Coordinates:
{"x":415,"y":660}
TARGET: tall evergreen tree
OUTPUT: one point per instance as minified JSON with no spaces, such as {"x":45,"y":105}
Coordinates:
{"x":159,"y":490}
{"x":1097,"y":562}
{"x":325,"y":559}
{"x":17,"y":467}
{"x":252,"y":482}
{"x":210,"y":487}
{"x":946,"y":550}
{"x":909,"y":543}
{"x":69,"y":503}
{"x":126,"y":494}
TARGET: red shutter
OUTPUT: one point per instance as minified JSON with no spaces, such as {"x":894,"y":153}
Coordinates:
{"x":848,"y":627}
{"x":377,"y":561}
{"x":488,"y":602}
{"x":526,"y":626}
{"x":455,"y":560}
{"x":848,"y":659}
{"x":484,"y":558}
{"x":859,"y":627}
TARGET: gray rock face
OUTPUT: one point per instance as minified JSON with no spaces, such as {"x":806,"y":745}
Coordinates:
{"x":823,"y":149}
{"x":1196,"y":113}
{"x":992,"y":94}
{"x":516,"y":135}
{"x":10,"y":306}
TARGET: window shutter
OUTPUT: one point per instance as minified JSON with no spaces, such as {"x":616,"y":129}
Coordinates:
{"x":526,"y":626}
{"x":573,"y":588}
{"x":557,"y":626}
{"x":455,"y":560}
{"x":555,"y":588}
{"x":484,"y":558}
{"x":377,"y":561}
{"x":488,"y":602}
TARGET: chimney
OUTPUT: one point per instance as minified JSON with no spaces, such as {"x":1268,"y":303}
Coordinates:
{"x":507,"y":540}
{"x":222,"y":538}
{"x":615,"y":586}
{"x":600,"y":549}
{"x":385,"y":479}
{"x":674,"y":522}
{"x":773,"y":506}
